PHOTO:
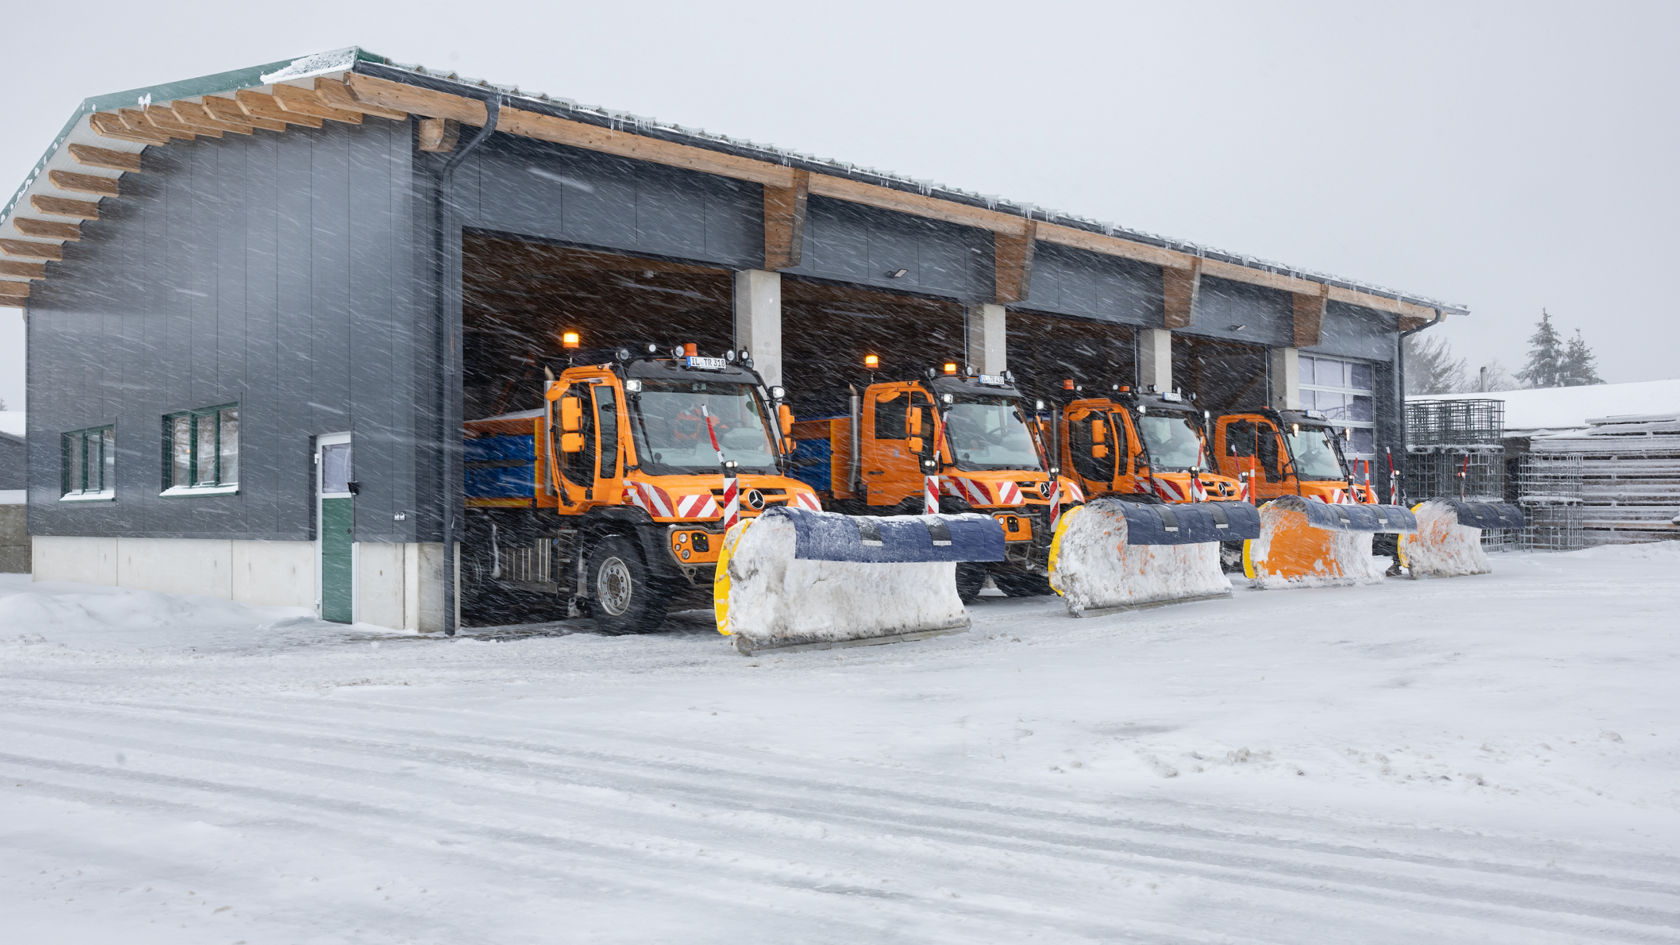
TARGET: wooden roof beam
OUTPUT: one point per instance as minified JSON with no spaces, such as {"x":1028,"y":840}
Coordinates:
{"x":258,"y":105}
{"x":1180,"y":289}
{"x":1309,"y":317}
{"x":1114,"y":246}
{"x":1260,"y":277}
{"x":194,"y":115}
{"x":921,"y":205}
{"x":64,"y":206}
{"x":402,"y":97}
{"x":111,"y":125}
{"x":300,"y":101}
{"x":439,"y":135}
{"x":784,"y":222}
{"x":334,"y":93}
{"x":1012,"y":260}
{"x":85,"y":183}
{"x":7,"y":301}
{"x":23,"y":270}
{"x":105,"y":159}
{"x":226,"y":109}
{"x":15,"y":290}
{"x":47,"y":229}
{"x":136,"y":120}
{"x":27,"y":249}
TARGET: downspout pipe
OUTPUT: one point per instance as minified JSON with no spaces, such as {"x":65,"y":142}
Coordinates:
{"x":1400,"y":381}
{"x":451,"y":392}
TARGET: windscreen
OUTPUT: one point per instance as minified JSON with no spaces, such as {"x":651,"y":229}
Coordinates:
{"x":670,"y":427}
{"x":1172,"y":440}
{"x":990,"y":433}
{"x":1315,"y":454}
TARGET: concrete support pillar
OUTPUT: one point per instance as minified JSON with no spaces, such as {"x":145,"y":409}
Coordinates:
{"x":1283,"y":368}
{"x":988,"y":339}
{"x":758,"y":320}
{"x":1154,"y":358}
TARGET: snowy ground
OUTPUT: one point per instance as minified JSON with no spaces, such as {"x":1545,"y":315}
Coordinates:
{"x":1488,"y":759}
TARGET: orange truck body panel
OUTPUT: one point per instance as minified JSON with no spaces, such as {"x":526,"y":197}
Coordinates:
{"x":1110,"y":421}
{"x":1266,"y":482}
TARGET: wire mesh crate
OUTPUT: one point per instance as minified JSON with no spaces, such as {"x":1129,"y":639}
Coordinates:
{"x":1455,"y":422}
{"x":1549,"y":491}
{"x":1439,"y":472}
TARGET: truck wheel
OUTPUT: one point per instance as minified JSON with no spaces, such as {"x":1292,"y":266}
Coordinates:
{"x":622,"y":594}
{"x":970,"y":579}
{"x":1021,"y":584}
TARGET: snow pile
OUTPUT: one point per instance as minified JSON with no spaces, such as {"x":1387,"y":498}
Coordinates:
{"x":1442,"y":547}
{"x":1555,"y":408}
{"x":771,"y":598}
{"x":1096,"y":570}
{"x":1291,"y":553}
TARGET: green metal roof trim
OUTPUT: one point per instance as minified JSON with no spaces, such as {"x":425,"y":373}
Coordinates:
{"x":247,"y":78}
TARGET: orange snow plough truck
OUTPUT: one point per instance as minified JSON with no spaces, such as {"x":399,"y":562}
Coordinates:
{"x":1315,"y":522}
{"x":1152,"y":530}
{"x":613,"y":498}
{"x":955,"y":442}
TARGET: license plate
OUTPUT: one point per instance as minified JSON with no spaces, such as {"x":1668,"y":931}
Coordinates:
{"x":707,"y":364}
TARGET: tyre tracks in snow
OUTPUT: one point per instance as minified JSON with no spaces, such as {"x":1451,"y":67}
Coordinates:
{"x":1026,"y":854}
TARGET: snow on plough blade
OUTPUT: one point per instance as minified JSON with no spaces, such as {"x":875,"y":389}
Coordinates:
{"x":1110,"y":555}
{"x":1308,"y":541}
{"x":1448,"y":542}
{"x":797,"y":578}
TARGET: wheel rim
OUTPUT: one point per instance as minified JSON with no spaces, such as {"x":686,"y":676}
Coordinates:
{"x":613,"y":587}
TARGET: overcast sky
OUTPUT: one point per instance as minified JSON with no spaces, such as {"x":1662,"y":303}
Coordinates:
{"x":1507,"y":157}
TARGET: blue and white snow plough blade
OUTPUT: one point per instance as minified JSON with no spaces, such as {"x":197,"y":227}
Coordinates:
{"x":794,"y":578}
{"x":1110,"y":554}
{"x":1477,"y":514}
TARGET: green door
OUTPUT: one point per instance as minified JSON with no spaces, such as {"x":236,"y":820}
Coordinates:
{"x":337,"y":519}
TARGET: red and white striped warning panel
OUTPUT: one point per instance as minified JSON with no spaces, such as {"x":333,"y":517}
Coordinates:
{"x":930,"y":495}
{"x":1072,"y":493}
{"x":649,"y":498}
{"x":698,"y":505}
{"x":1009,"y":493}
{"x":968,"y":490}
{"x":731,"y":501}
{"x":807,"y":500}
{"x":1167,"y":490}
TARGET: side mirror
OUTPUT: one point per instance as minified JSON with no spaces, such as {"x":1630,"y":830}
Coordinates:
{"x":788,"y":445}
{"x":915,"y":444}
{"x":1099,"y":451}
{"x":571,"y":442}
{"x":913,"y":422}
{"x":784,"y":419}
{"x":1099,"y":432}
{"x":571,"y":417}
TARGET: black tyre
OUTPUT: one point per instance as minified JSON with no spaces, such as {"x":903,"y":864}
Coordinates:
{"x":1021,"y":584}
{"x":623,"y":598}
{"x":970,"y":579}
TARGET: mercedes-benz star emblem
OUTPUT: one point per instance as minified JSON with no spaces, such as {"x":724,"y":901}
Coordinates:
{"x":1044,"y":488}
{"x":755,"y":498}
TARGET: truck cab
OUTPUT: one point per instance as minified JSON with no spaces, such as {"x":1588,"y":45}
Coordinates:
{"x":1287,"y":452}
{"x":1132,"y":443}
{"x":610,"y":498}
{"x":970,"y":430}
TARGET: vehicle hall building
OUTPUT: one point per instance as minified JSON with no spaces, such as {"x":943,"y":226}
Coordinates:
{"x":260,"y":305}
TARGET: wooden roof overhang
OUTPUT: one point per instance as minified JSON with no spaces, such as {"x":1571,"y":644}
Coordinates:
{"x":108,"y":137}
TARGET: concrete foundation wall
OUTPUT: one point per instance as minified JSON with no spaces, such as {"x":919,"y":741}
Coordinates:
{"x":397,"y":585}
{"x":14,"y":539}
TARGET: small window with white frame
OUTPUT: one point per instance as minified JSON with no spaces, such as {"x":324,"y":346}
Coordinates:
{"x":1344,"y":391}
{"x":90,"y":464}
{"x":201,"y":451}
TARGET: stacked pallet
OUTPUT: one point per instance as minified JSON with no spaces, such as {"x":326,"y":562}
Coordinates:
{"x":1630,"y":476}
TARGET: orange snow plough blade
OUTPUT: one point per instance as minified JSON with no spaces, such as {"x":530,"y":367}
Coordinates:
{"x":1448,"y":542}
{"x":1308,"y":541}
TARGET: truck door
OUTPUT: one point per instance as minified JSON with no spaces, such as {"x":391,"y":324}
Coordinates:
{"x":572,"y":443}
{"x":609,"y":486}
{"x":1092,"y":449}
{"x":898,"y":431}
{"x":1249,"y":445}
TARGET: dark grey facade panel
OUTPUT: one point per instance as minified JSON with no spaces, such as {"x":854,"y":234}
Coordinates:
{"x":1237,"y":311}
{"x":548,"y":191}
{"x":260,"y":270}
{"x":1067,"y":281}
{"x":850,"y":243}
{"x":1351,"y":331}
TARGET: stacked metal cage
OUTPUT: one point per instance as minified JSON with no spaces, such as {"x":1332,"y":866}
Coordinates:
{"x":1455,"y":449}
{"x":1549,"y":491}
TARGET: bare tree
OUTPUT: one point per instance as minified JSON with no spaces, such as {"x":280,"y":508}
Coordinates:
{"x":1431,"y":367}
